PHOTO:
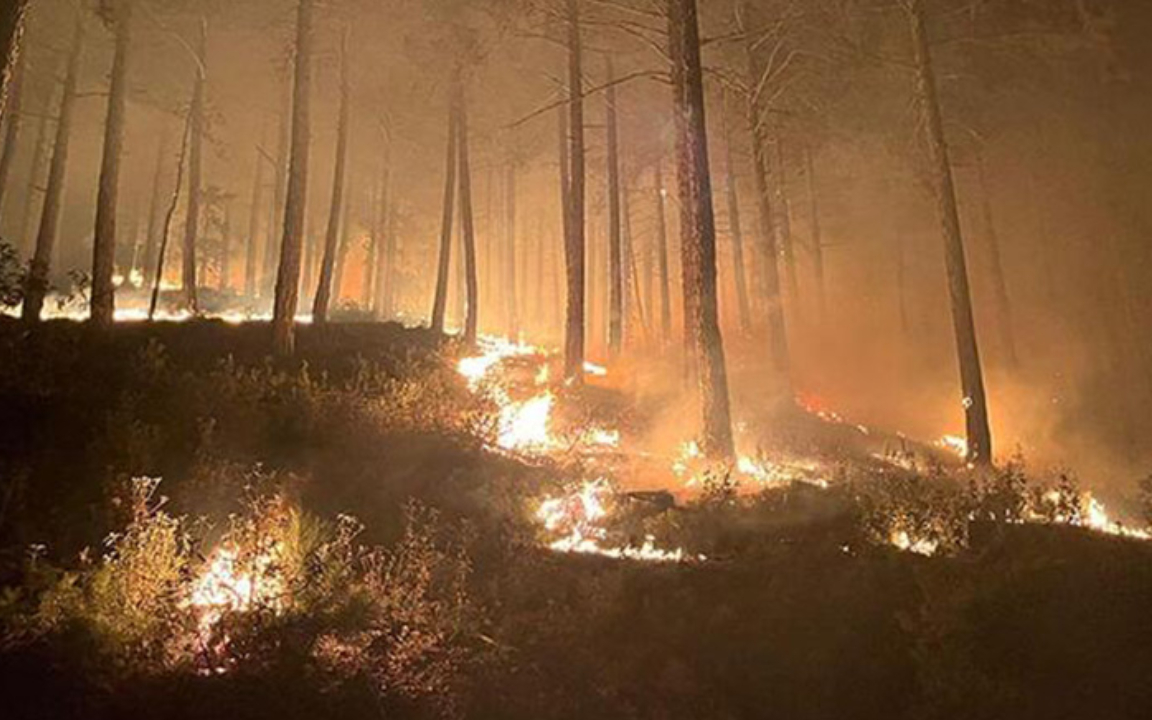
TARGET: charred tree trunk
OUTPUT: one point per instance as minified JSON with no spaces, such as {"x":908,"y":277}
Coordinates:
{"x":816,"y":238}
{"x":276,"y":219}
{"x":738,"y":270}
{"x":574,"y":242}
{"x":288,"y":275}
{"x":251,"y":273}
{"x":149,"y":260}
{"x":320,"y":305}
{"x":15,"y":120}
{"x":444,"y":266}
{"x":964,"y":325}
{"x":103,"y":301}
{"x":166,"y":231}
{"x":38,"y":273}
{"x":12,"y":20}
{"x":698,"y":229}
{"x":996,"y":266}
{"x":468,"y":228}
{"x":615,"y":241}
{"x":769,"y":255}
{"x":662,"y":255}
{"x":195,"y":171}
{"x":509,"y":288}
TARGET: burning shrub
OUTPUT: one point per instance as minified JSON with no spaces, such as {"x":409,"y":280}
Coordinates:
{"x":921,"y":513}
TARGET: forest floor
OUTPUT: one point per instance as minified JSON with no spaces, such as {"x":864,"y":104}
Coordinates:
{"x":837,"y":574}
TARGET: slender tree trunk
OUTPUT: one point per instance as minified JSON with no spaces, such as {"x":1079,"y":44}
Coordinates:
{"x":996,"y":266}
{"x":615,"y":241}
{"x":103,"y":302}
{"x":787,"y":245}
{"x":250,"y":250}
{"x":769,"y":255}
{"x":512,"y":301}
{"x":738,"y":269}
{"x":14,"y":122}
{"x":276,"y":220}
{"x":444,"y":266}
{"x":149,"y":260}
{"x":574,"y":243}
{"x":166,"y":231}
{"x":288,"y":276}
{"x":471,"y":278}
{"x":34,"y":189}
{"x":332,"y":237}
{"x":195,"y":172}
{"x":698,"y":229}
{"x":971,"y":372}
{"x":38,"y":273}
{"x":12,"y":21}
{"x":817,"y":239}
{"x":662,"y":255}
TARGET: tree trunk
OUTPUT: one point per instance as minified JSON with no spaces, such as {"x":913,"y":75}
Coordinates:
{"x":662,"y":255}
{"x":103,"y":301}
{"x":14,"y":118}
{"x":467,"y":222}
{"x":188,"y":274}
{"x":288,"y":275}
{"x":323,"y":298}
{"x":574,"y":242}
{"x":38,"y":273}
{"x":996,"y":266}
{"x":816,"y":239}
{"x":12,"y":21}
{"x":276,"y":219}
{"x":250,"y":252}
{"x":226,"y":247}
{"x":615,"y":241}
{"x":971,"y":372}
{"x":738,"y":269}
{"x":444,"y":266}
{"x":35,"y":173}
{"x":783,"y":206}
{"x":385,"y":254}
{"x":166,"y":231}
{"x":512,"y":301}
{"x":149,"y":260}
{"x":698,"y":230}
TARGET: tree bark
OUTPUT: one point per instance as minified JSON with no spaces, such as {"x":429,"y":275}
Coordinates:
{"x":698,"y":230}
{"x":12,"y":21}
{"x":251,"y":272}
{"x":735,"y":227}
{"x":38,"y":273}
{"x":769,"y":255}
{"x":188,"y":273}
{"x":444,"y":266}
{"x":13,"y":114}
{"x":166,"y":231}
{"x":964,"y":325}
{"x":615,"y":240}
{"x":103,"y":300}
{"x":817,"y":238}
{"x":468,"y":228}
{"x":276,"y":219}
{"x":149,"y":260}
{"x":996,"y":266}
{"x":574,"y":242}
{"x":323,"y":298}
{"x":662,"y":255}
{"x":39,"y":157}
{"x":288,"y":275}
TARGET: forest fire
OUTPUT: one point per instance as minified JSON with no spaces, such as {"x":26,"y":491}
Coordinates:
{"x":232,"y":582}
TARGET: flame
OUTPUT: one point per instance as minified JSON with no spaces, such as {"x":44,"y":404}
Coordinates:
{"x":524,"y":426}
{"x":226,"y":585}
{"x":955,"y":444}
{"x":921,"y":546}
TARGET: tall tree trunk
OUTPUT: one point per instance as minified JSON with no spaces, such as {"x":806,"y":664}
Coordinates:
{"x":36,"y":172}
{"x":188,"y":276}
{"x":12,"y":21}
{"x":971,"y":372}
{"x":769,"y":255}
{"x":512,"y":301}
{"x":444,"y":266}
{"x":251,"y":273}
{"x":276,"y":219}
{"x":103,"y":301}
{"x":149,"y":260}
{"x":574,"y":242}
{"x":14,"y":118}
{"x":471,"y":278}
{"x":816,"y":238}
{"x":737,"y":231}
{"x":323,"y":298}
{"x":38,"y":273}
{"x":166,"y":230}
{"x":996,"y":266}
{"x":698,"y":229}
{"x":662,"y":255}
{"x":615,"y":241}
{"x":783,"y":206}
{"x":288,"y":275}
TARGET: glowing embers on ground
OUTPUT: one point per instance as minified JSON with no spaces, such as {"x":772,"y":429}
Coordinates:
{"x":954,"y":444}
{"x":578,"y":522}
{"x":749,"y":472}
